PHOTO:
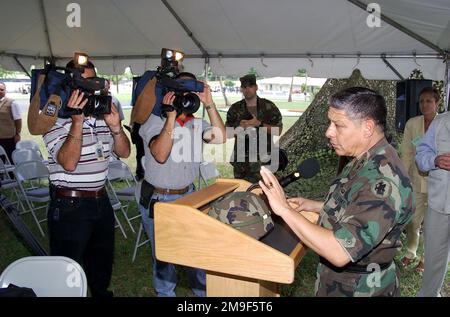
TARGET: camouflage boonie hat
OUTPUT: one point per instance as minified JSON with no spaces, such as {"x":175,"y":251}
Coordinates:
{"x":244,"y":211}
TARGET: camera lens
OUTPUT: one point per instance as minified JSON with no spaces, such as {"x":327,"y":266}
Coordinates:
{"x":188,"y":103}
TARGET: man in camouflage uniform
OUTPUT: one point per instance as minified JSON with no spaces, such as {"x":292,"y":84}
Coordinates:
{"x":251,"y":114}
{"x":366,"y":209}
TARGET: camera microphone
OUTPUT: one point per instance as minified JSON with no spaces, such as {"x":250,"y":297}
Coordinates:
{"x":307,"y":169}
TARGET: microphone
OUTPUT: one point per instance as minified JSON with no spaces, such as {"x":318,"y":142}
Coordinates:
{"x":307,"y":169}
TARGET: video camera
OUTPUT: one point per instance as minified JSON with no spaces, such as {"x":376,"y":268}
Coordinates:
{"x":168,"y":76}
{"x":62,"y":81}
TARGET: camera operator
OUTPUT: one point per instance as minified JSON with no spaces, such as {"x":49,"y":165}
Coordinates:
{"x":167,"y":179}
{"x":80,"y":216}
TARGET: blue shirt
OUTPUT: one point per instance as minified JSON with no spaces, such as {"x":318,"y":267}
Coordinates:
{"x":426,"y":150}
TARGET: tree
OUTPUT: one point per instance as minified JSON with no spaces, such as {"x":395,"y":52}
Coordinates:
{"x":115,"y":79}
{"x":210,"y":75}
{"x":301,"y":73}
{"x":252,"y":71}
{"x":290,"y":89}
{"x":227,"y":103}
{"x":304,"y":88}
{"x":229,"y":83}
{"x":8,"y":73}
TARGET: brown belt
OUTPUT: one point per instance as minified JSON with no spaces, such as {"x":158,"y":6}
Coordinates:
{"x":171,"y":191}
{"x":67,"y":192}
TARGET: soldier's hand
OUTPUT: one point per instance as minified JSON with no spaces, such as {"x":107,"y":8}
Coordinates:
{"x":274,"y":192}
{"x":303,"y":204}
{"x":443,"y":161}
{"x":250,"y":123}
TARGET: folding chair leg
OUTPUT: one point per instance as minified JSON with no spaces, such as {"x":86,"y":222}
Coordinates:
{"x":118,"y":224}
{"x":19,"y":201}
{"x":139,"y":244}
{"x":128,"y":220}
{"x":136,"y":245}
{"x":30,"y":206}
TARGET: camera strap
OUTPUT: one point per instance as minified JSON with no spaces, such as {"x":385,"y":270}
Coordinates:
{"x":99,"y":145}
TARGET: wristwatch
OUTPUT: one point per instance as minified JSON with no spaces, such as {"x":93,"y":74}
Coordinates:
{"x":207,"y":107}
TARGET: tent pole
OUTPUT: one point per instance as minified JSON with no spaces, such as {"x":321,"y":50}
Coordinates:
{"x":446,"y":82}
{"x":47,"y":34}
{"x":200,"y":178}
{"x":258,"y":56}
{"x":401,"y":28}
{"x":21,"y":66}
{"x":392,"y":67}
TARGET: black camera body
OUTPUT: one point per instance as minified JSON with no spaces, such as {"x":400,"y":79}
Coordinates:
{"x":62,"y":81}
{"x":97,"y":104}
{"x":167,"y":77}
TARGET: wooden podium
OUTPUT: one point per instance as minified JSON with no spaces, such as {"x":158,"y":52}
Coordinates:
{"x":235,"y":263}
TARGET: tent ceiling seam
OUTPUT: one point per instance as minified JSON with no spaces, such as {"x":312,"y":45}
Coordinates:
{"x":401,"y":28}
{"x":186,"y":29}
{"x":47,"y":34}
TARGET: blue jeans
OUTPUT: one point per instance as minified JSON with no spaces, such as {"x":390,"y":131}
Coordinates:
{"x":164,"y":274}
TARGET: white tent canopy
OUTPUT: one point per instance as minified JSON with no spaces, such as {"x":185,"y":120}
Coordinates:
{"x":329,"y":38}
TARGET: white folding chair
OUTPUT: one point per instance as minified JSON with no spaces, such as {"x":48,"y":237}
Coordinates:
{"x":47,"y":276}
{"x":116,"y":205}
{"x":25,"y":155}
{"x":8,"y":165}
{"x":123,"y":183}
{"x":138,"y":243}
{"x":8,"y":183}
{"x":28,"y":145}
{"x":32,"y":178}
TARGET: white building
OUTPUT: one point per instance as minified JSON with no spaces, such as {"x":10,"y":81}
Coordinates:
{"x":283,"y":84}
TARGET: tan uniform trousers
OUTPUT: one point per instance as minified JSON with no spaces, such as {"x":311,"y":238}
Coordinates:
{"x":413,"y":228}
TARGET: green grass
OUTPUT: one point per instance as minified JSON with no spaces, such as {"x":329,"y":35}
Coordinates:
{"x":134,"y":279}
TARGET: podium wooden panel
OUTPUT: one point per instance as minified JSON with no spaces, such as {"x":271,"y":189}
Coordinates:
{"x":236,"y":264}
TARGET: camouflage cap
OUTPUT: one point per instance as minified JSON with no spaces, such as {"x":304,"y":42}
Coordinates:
{"x":244,"y":211}
{"x":248,"y":80}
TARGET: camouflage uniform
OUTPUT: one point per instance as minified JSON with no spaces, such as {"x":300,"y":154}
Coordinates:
{"x":367,"y":208}
{"x":268,"y":113}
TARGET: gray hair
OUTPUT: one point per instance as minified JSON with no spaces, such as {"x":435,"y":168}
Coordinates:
{"x":361,"y":103}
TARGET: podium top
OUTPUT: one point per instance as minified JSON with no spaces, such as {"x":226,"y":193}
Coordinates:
{"x":200,"y":198}
{"x":186,"y":235}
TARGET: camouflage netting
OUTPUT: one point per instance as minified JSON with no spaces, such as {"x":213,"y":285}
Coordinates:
{"x":308,"y":133}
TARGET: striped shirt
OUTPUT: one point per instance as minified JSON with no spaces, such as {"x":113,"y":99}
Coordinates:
{"x":90,"y":172}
